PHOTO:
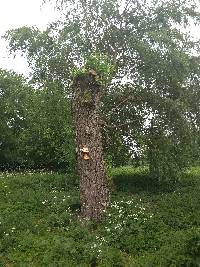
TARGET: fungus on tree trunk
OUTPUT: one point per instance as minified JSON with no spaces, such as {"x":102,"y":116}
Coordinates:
{"x":85,"y":152}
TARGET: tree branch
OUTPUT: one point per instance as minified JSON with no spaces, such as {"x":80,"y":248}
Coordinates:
{"x":119,"y":104}
{"x":112,"y":126}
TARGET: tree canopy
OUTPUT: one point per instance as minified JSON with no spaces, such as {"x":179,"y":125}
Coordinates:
{"x":153,"y":98}
{"x":35,"y":126}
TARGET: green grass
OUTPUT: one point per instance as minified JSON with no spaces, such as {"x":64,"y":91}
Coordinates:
{"x":147,"y":224}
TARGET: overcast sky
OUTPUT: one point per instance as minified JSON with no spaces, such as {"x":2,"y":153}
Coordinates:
{"x":17,"y":13}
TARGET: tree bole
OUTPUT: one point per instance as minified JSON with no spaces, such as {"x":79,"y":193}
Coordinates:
{"x":94,"y":193}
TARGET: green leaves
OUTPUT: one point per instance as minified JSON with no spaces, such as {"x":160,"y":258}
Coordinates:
{"x":40,"y":226}
{"x":142,"y":57}
{"x":35,"y":125}
{"x":98,"y":63}
{"x":14,"y":93}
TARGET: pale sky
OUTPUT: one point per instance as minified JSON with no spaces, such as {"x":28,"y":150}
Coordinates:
{"x":17,"y":13}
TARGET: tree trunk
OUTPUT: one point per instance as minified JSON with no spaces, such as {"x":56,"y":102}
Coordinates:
{"x":94,"y":194}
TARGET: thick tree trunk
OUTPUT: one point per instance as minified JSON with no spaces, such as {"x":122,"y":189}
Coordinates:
{"x":94,"y":194}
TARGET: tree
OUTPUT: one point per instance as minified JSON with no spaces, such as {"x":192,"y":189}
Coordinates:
{"x":47,"y":138}
{"x":149,"y":99}
{"x":35,"y":127}
{"x":88,"y":88}
{"x":13,"y":103}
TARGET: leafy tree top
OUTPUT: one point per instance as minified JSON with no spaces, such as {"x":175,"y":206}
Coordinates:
{"x":98,"y":63}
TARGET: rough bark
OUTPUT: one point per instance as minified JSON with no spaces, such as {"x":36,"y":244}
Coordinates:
{"x":94,"y":194}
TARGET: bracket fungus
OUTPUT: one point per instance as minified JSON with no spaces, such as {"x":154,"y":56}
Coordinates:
{"x":85,"y":152}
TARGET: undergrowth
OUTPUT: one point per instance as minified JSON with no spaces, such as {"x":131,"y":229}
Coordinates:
{"x":147,"y":224}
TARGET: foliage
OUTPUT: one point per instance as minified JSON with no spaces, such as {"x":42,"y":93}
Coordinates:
{"x":167,"y":156}
{"x":47,"y":139}
{"x":36,"y":129}
{"x":14,"y":94}
{"x":39,"y":222}
{"x":100,"y":64}
{"x":155,"y":85}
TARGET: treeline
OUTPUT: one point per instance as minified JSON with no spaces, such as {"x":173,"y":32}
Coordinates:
{"x":36,"y":128}
{"x":36,"y":132}
{"x":35,"y":125}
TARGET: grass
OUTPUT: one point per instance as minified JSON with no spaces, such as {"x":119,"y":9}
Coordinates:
{"x":146,"y":225}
